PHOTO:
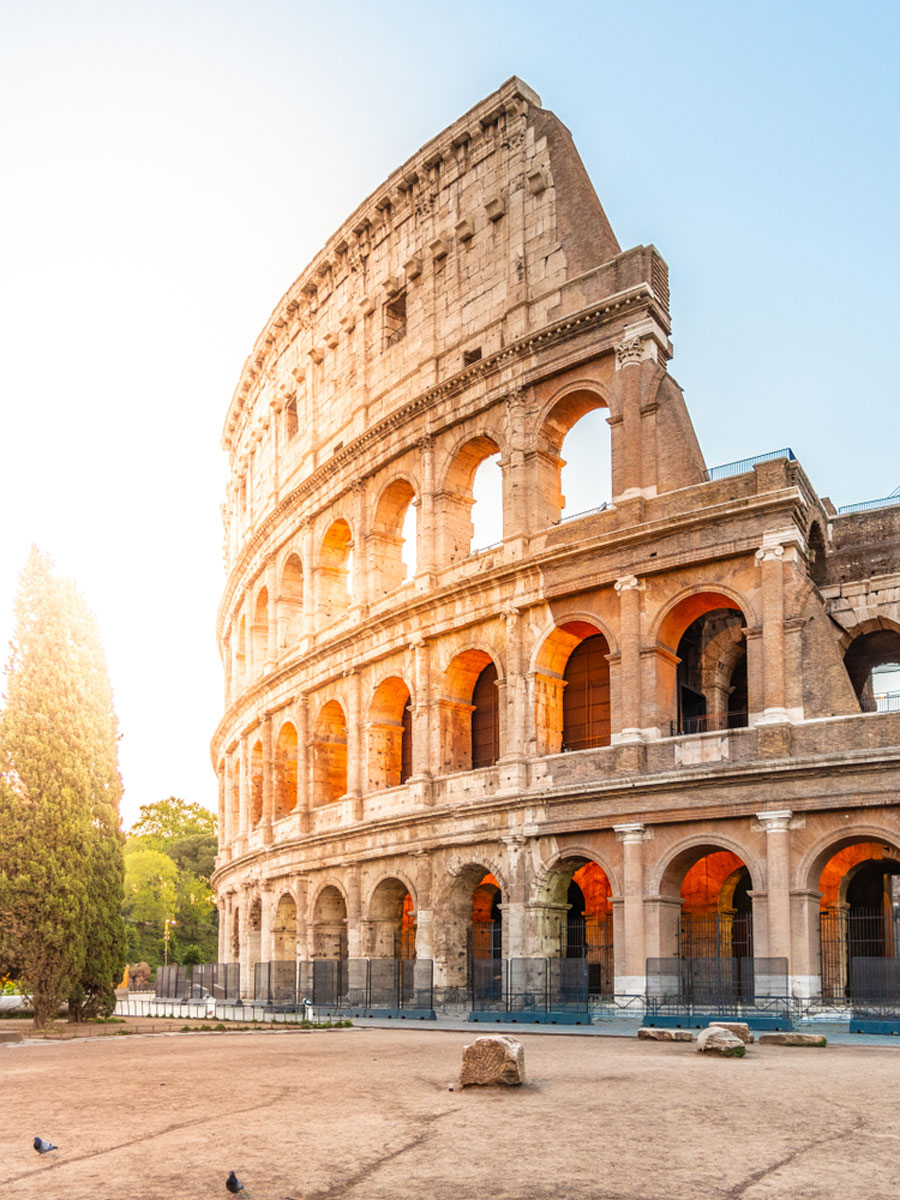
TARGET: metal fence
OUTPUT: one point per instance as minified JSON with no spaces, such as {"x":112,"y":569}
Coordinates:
{"x":747,"y":464}
{"x":856,"y":935}
{"x":532,"y":986}
{"x":382,"y":984}
{"x":716,"y":983}
{"x":200,"y":981}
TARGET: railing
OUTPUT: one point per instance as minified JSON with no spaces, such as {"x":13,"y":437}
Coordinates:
{"x":746,"y":464}
{"x":588,"y":512}
{"x":708,"y":723}
{"x":865,"y":505}
{"x":888,"y":702}
{"x":484,"y":549}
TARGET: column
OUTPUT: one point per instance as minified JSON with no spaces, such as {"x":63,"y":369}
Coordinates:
{"x":268,"y":780}
{"x":303,"y":757}
{"x":222,"y":775}
{"x":777,"y":824}
{"x":222,"y":908}
{"x":512,"y":905}
{"x":355,"y":742}
{"x":770,"y":559}
{"x":271,"y":617}
{"x":425,"y":530}
{"x":244,"y":785}
{"x":424,"y":914}
{"x":627,"y":721}
{"x":355,"y":947}
{"x":633,"y":958}
{"x":421,"y":714}
{"x":301,"y":892}
{"x":226,"y":829}
{"x":360,"y":581}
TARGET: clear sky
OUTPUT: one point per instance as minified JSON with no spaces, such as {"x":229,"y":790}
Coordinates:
{"x":169,"y":169}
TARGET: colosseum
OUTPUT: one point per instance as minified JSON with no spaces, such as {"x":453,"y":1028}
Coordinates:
{"x":658,"y":740}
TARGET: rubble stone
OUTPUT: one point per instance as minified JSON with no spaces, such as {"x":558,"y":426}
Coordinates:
{"x":493,"y":1058}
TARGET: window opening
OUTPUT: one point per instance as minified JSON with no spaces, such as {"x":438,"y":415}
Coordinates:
{"x":485,"y":719}
{"x":395,"y":320}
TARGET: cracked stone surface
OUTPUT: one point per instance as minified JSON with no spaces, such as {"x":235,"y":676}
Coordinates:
{"x":365,"y":1114}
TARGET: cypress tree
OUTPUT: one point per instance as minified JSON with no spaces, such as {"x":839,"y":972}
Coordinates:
{"x":60,"y":845}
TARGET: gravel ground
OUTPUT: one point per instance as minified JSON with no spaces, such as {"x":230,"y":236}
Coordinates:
{"x":366,"y":1114}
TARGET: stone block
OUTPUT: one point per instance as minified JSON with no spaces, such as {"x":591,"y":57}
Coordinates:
{"x":739,"y":1028}
{"x":714,"y":1040}
{"x":493,"y":1058}
{"x":10,"y":1035}
{"x":792,"y":1039}
{"x":648,"y":1033}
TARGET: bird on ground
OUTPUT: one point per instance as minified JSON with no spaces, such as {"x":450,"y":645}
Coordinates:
{"x":233,"y":1184}
{"x":42,"y":1145}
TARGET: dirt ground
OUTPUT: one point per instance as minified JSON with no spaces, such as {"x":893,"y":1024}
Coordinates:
{"x":366,"y":1114}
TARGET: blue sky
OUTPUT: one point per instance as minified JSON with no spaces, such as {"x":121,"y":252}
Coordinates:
{"x":170,"y":169}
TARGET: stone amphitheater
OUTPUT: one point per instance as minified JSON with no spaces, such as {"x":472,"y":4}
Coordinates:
{"x":662,"y":729}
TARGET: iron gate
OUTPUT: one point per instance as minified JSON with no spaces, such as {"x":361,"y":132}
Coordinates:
{"x":591,"y":939}
{"x":846,"y":934}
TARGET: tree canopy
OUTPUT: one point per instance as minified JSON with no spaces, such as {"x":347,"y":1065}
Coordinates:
{"x":168,"y":821}
{"x":60,"y":844}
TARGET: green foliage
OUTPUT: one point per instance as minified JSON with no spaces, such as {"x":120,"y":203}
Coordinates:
{"x":151,"y":896}
{"x":60,"y":846}
{"x":167,"y":821}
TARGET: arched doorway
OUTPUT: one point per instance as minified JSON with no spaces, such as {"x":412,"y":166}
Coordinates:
{"x":575,"y":923}
{"x":285,"y":930}
{"x":329,"y":924}
{"x":873,"y":664}
{"x":390,"y":735}
{"x":859,"y":923}
{"x":392,"y":921}
{"x":712,"y":673}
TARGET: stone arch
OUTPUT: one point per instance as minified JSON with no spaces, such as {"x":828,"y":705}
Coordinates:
{"x":391,"y":919}
{"x":702,"y":670}
{"x":256,"y":783}
{"x":290,"y":602}
{"x":455,"y":499}
{"x":868,"y":653}
{"x":665,"y":877}
{"x":559,"y":418}
{"x":260,"y":630}
{"x":571,"y":687}
{"x":816,"y":551}
{"x":387,"y":568}
{"x":284,"y":929}
{"x":285,"y":770}
{"x":329,"y":922}
{"x":457,"y":709}
{"x":809,"y":869}
{"x":458,"y":930}
{"x":333,"y":571}
{"x":390,"y":734}
{"x":543,"y":883}
{"x":329,"y":751}
{"x":573,"y":915}
{"x":692,"y":602}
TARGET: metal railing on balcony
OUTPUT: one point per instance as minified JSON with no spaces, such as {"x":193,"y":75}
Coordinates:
{"x":888,"y":702}
{"x":708,"y":723}
{"x":587,"y":512}
{"x":747,"y":464}
{"x":866,"y":505}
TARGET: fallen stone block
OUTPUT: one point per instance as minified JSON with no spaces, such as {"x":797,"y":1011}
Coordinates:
{"x":10,"y":1035}
{"x":793,"y":1039}
{"x":493,"y":1058}
{"x":651,"y":1034}
{"x":739,"y":1028}
{"x":720,"y":1041}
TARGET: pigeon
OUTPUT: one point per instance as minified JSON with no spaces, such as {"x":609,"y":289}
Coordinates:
{"x":42,"y":1146}
{"x":233,"y":1184}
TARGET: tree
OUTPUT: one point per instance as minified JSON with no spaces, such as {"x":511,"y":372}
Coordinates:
{"x":166,"y":821}
{"x":60,"y":845}
{"x":151,"y":899}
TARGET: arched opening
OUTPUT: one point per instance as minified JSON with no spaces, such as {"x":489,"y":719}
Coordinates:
{"x":859,"y":922}
{"x":485,"y":720}
{"x":712,"y":934}
{"x":581,"y":481}
{"x":454,"y":503}
{"x":329,"y":924}
{"x":392,"y":538}
{"x":260,"y":631}
{"x":585,"y":700}
{"x":469,"y":724}
{"x":873,"y":664}
{"x":333,"y":574}
{"x":254,"y":935}
{"x":575,"y":923}
{"x":816,"y":546}
{"x":392,"y":921}
{"x":329,"y":750}
{"x":586,"y":476}
{"x":285,"y":930}
{"x":285,"y":770}
{"x":290,"y":603}
{"x":710,"y":681}
{"x":487,"y":505}
{"x":390,"y":735}
{"x":487,"y":921}
{"x":256,"y":784}
{"x":454,"y":934}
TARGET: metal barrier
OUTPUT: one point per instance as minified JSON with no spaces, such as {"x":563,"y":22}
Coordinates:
{"x":694,"y":991}
{"x":747,"y":464}
{"x":201,"y":981}
{"x":536,"y":990}
{"x":380,"y":986}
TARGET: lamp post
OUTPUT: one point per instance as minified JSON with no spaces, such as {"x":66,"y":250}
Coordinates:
{"x":169,"y":921}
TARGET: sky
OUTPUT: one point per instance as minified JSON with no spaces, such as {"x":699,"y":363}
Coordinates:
{"x":170,"y":168}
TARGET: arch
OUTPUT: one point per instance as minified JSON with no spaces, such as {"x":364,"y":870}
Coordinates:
{"x":290,"y":602}
{"x":666,"y":876}
{"x":457,"y":707}
{"x":284,"y":929}
{"x":571,"y":688}
{"x":329,"y":923}
{"x":285,"y":770}
{"x":387,"y":568}
{"x":815,"y":543}
{"x":872,"y":661}
{"x":809,"y":869}
{"x":329,"y":748}
{"x":547,"y":878}
{"x":333,"y":581}
{"x":711,"y":673}
{"x":564,"y":411}
{"x":391,"y":920}
{"x":575,"y":920}
{"x":485,"y":719}
{"x":455,"y":499}
{"x":256,"y":784}
{"x":684,"y":608}
{"x":260,"y":630}
{"x":453,"y":935}
{"x":390,"y":734}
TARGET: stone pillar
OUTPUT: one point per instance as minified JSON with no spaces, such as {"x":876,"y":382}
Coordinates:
{"x":222,"y":908}
{"x":777,"y":825}
{"x":806,"y":971}
{"x":221,"y":775}
{"x":304,"y":794}
{"x":512,"y":905}
{"x":631,"y":974}
{"x":310,"y":578}
{"x":301,"y":893}
{"x":770,"y":559}
{"x":425,"y":528}
{"x":515,"y":728}
{"x":356,"y":743}
{"x":424,"y":912}
{"x":518,"y":510}
{"x":644,"y":344}
{"x":626,"y":705}
{"x":355,"y":947}
{"x":226,"y":828}
{"x":268,"y":778}
{"x":359,"y":582}
{"x":244,"y":785}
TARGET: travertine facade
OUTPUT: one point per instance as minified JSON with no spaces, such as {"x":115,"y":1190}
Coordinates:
{"x":627,"y":728}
